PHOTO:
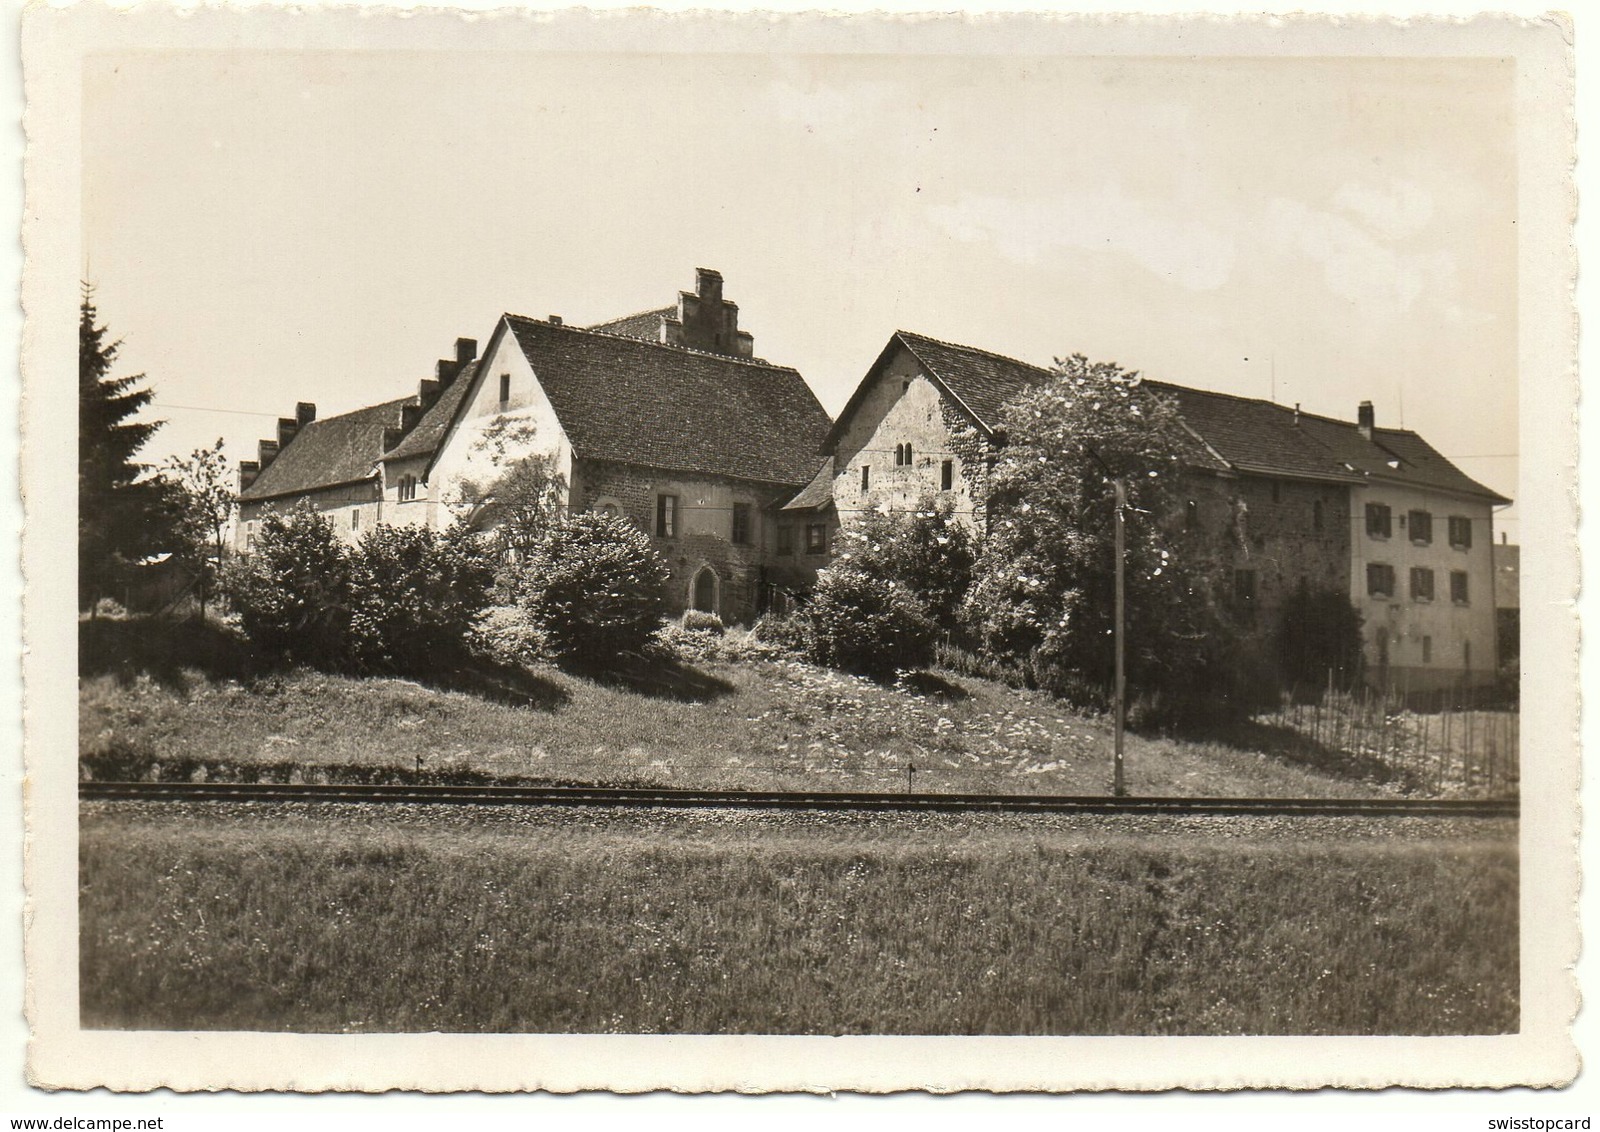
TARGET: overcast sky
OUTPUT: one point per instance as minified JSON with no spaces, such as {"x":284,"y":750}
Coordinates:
{"x":264,"y":228}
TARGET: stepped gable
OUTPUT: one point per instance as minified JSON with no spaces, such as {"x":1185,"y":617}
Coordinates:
{"x":670,"y":407}
{"x":327,"y":452}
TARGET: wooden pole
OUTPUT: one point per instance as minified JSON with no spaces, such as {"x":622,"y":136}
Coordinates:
{"x":1117,"y":784}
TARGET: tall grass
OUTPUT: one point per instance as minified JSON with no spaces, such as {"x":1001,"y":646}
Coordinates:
{"x":306,"y":921}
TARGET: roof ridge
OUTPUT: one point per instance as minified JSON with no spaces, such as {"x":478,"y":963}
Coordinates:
{"x":762,"y":362}
{"x":975,"y":350}
{"x":392,"y":403}
{"x":629,"y":317}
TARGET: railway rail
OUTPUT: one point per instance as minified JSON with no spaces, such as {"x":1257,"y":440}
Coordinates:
{"x":637,"y":798}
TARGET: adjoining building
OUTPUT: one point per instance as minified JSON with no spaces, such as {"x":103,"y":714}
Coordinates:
{"x":666,"y":418}
{"x":1283,"y":497}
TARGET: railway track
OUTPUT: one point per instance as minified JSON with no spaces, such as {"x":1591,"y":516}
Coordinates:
{"x":618,"y":798}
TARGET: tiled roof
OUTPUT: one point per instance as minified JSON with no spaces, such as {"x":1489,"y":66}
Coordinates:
{"x":645,"y":326}
{"x":1395,"y":455}
{"x":335,"y":450}
{"x":426,"y":435}
{"x":634,"y":402}
{"x":1254,"y":436}
{"x":983,"y":381}
{"x":817,"y":494}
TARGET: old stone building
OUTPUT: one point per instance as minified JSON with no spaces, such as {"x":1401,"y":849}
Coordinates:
{"x":666,"y":418}
{"x":1276,"y":498}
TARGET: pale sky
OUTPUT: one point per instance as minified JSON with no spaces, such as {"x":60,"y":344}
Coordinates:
{"x":265,"y":227}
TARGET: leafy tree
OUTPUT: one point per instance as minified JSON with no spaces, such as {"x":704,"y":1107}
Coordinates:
{"x":508,"y":491}
{"x":591,"y":585}
{"x":293,"y":592}
{"x":201,"y":496}
{"x":1319,"y":633}
{"x":928,"y":551}
{"x":1043,"y":598}
{"x":414,"y":595}
{"x":121,"y":517}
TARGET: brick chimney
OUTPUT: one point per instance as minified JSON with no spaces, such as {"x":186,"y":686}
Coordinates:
{"x":305,"y":412}
{"x":1365,"y":419}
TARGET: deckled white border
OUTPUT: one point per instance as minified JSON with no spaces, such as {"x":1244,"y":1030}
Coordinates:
{"x":62,"y":1055}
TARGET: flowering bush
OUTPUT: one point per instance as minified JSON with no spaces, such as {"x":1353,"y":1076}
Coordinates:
{"x":864,"y":623}
{"x":927,"y":551}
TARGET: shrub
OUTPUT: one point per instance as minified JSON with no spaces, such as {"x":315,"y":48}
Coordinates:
{"x":503,"y":634}
{"x":414,"y":594}
{"x":1319,"y":633}
{"x":292,"y":594}
{"x":928,"y":551}
{"x":701,"y":621}
{"x":789,"y":631}
{"x":867,"y":624}
{"x":592,"y":586}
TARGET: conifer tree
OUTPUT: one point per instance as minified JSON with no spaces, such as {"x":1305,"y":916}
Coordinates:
{"x":121,"y":517}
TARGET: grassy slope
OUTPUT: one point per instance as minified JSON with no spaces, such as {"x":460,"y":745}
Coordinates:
{"x":752,"y":722}
{"x":583,"y":923}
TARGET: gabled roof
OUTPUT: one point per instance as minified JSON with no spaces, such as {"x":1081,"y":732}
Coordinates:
{"x":645,"y":325}
{"x":427,"y":434}
{"x":817,"y":494}
{"x":1241,"y":435}
{"x":668,"y":407}
{"x":328,"y":452}
{"x":978,"y":381}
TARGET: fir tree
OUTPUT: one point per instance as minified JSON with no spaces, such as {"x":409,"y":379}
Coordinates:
{"x":121,"y":517}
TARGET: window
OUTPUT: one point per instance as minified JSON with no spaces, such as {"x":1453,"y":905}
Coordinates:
{"x":816,"y":538}
{"x":1421,"y":527}
{"x":1427,"y":650}
{"x":1421,"y":583}
{"x":1244,"y":589}
{"x":505,"y":388}
{"x":1458,"y":587}
{"x":355,"y":518}
{"x":408,"y":488}
{"x":1191,"y":516}
{"x":785,"y":540}
{"x":947,"y":475}
{"x":1380,"y":579}
{"x":866,"y":478}
{"x":908,"y":454}
{"x":666,"y":516}
{"x":741,"y":524}
{"x":1460,"y":532}
{"x":1316,"y":515}
{"x":250,"y":535}
{"x":1378,"y":520}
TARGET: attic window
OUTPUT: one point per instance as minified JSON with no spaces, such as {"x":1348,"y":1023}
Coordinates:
{"x":1394,"y":463}
{"x":505,"y":388}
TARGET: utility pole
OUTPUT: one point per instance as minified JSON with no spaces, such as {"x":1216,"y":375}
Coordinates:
{"x":1117,"y":786}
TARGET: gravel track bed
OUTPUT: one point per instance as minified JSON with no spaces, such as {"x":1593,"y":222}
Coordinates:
{"x":689,"y":824}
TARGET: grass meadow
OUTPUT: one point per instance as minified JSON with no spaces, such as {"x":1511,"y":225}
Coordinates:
{"x":341,"y":920}
{"x":151,"y":706}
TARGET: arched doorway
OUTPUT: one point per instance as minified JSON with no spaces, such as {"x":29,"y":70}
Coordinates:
{"x":706,"y":585}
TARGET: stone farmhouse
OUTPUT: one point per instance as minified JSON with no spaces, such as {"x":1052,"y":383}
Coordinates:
{"x":665,"y":417}
{"x":733,"y":468}
{"x":1280,"y":496}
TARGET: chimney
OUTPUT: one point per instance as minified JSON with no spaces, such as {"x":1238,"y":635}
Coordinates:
{"x":1365,"y":419}
{"x":248,"y":471}
{"x":1297,"y":414}
{"x":466,"y":351}
{"x":554,"y":320}
{"x":708,"y":285}
{"x":305,"y":412}
{"x":445,"y":371}
{"x":266,"y":452}
{"x":287,"y":427}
